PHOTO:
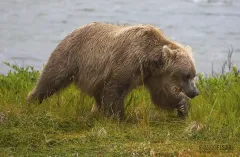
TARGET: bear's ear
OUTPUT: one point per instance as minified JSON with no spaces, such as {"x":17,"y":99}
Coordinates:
{"x":188,"y":48}
{"x":167,"y":51}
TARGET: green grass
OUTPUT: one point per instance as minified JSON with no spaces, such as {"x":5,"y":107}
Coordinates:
{"x":64,"y":126}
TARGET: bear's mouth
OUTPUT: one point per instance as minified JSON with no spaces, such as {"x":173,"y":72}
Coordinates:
{"x":179,"y":92}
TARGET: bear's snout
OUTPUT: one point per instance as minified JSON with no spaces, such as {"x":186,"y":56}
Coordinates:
{"x":193,"y":94}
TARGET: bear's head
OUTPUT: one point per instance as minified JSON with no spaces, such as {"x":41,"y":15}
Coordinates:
{"x":179,"y":69}
{"x":175,"y":76}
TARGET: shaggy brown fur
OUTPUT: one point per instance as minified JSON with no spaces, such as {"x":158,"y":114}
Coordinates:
{"x":107,"y":61}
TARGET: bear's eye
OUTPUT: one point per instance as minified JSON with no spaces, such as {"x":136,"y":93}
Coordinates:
{"x":187,"y":77}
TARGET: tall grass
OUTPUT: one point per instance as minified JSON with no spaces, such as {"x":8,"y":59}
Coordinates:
{"x":64,"y":126}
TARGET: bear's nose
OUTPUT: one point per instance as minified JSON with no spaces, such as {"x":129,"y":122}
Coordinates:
{"x":193,"y":94}
{"x":197,"y":92}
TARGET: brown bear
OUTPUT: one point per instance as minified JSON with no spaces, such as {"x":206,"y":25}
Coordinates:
{"x":107,"y":61}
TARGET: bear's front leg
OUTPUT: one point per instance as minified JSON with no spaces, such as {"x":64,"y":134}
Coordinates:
{"x":113,"y":98}
{"x":182,"y":108}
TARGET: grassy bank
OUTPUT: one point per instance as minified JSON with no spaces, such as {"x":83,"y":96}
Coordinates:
{"x":63,"y":125}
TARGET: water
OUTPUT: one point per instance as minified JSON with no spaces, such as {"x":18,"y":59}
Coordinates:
{"x":31,"y":29}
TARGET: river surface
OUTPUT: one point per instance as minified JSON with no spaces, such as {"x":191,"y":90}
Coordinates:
{"x":31,"y":29}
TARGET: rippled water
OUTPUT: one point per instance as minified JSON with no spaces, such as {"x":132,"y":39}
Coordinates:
{"x":31,"y":29}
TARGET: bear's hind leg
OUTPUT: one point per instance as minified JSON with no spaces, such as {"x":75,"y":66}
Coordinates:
{"x":54,"y":77}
